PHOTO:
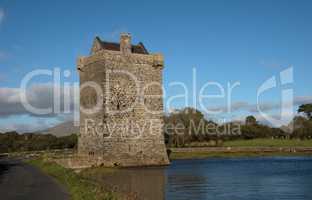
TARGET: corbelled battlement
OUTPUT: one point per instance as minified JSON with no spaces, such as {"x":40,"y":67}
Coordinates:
{"x":155,"y":60}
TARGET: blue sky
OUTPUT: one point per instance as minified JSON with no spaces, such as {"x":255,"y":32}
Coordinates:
{"x":226,"y":41}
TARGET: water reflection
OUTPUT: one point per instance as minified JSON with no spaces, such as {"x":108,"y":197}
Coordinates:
{"x":138,"y":183}
{"x":284,"y":178}
{"x":218,"y":179}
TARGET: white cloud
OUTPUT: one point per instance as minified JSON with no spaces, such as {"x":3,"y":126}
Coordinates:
{"x":285,"y":120}
{"x":39,"y":96}
{"x":265,"y":106}
{"x":272,"y":109}
{"x":298,"y":100}
{"x":24,"y":127}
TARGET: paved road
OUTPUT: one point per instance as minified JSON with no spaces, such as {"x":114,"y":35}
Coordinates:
{"x":19,"y":181}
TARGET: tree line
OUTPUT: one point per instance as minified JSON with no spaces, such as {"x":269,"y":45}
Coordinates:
{"x":188,"y":127}
{"x":13,"y":142}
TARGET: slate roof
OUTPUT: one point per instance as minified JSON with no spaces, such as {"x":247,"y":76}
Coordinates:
{"x":139,"y":48}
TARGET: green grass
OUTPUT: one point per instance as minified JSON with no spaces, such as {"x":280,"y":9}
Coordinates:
{"x":77,"y":185}
{"x":268,"y":143}
{"x":248,"y":143}
{"x":202,"y":155}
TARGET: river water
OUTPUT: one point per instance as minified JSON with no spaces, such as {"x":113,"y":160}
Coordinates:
{"x":266,"y":178}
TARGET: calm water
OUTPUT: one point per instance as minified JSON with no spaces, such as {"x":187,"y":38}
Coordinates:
{"x":220,"y":179}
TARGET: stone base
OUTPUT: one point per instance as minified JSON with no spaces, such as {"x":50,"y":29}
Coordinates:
{"x":82,"y":162}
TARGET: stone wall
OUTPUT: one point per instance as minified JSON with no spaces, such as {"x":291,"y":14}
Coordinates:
{"x":127,"y":129}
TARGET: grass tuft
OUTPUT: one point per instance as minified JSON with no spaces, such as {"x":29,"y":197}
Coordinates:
{"x":78,"y":187}
{"x":265,"y":142}
{"x":202,"y":155}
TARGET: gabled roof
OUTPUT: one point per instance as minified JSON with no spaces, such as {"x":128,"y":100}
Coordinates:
{"x":113,"y":46}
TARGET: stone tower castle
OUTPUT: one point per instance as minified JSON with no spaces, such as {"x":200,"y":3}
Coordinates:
{"x":121,"y":114}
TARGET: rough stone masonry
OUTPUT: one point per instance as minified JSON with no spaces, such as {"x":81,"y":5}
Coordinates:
{"x":121,"y":105}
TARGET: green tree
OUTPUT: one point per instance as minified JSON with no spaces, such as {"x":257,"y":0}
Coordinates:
{"x":251,"y":120}
{"x":302,"y":127}
{"x":191,"y":125}
{"x":299,"y":122}
{"x":306,"y":109}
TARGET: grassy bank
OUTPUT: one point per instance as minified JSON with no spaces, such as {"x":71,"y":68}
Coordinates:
{"x":253,"y":144}
{"x":77,"y":185}
{"x":268,"y":143}
{"x":201,"y":155}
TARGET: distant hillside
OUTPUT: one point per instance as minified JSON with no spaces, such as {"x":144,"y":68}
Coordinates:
{"x":63,"y":129}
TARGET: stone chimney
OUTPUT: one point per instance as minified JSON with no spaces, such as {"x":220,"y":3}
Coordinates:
{"x":125,"y":43}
